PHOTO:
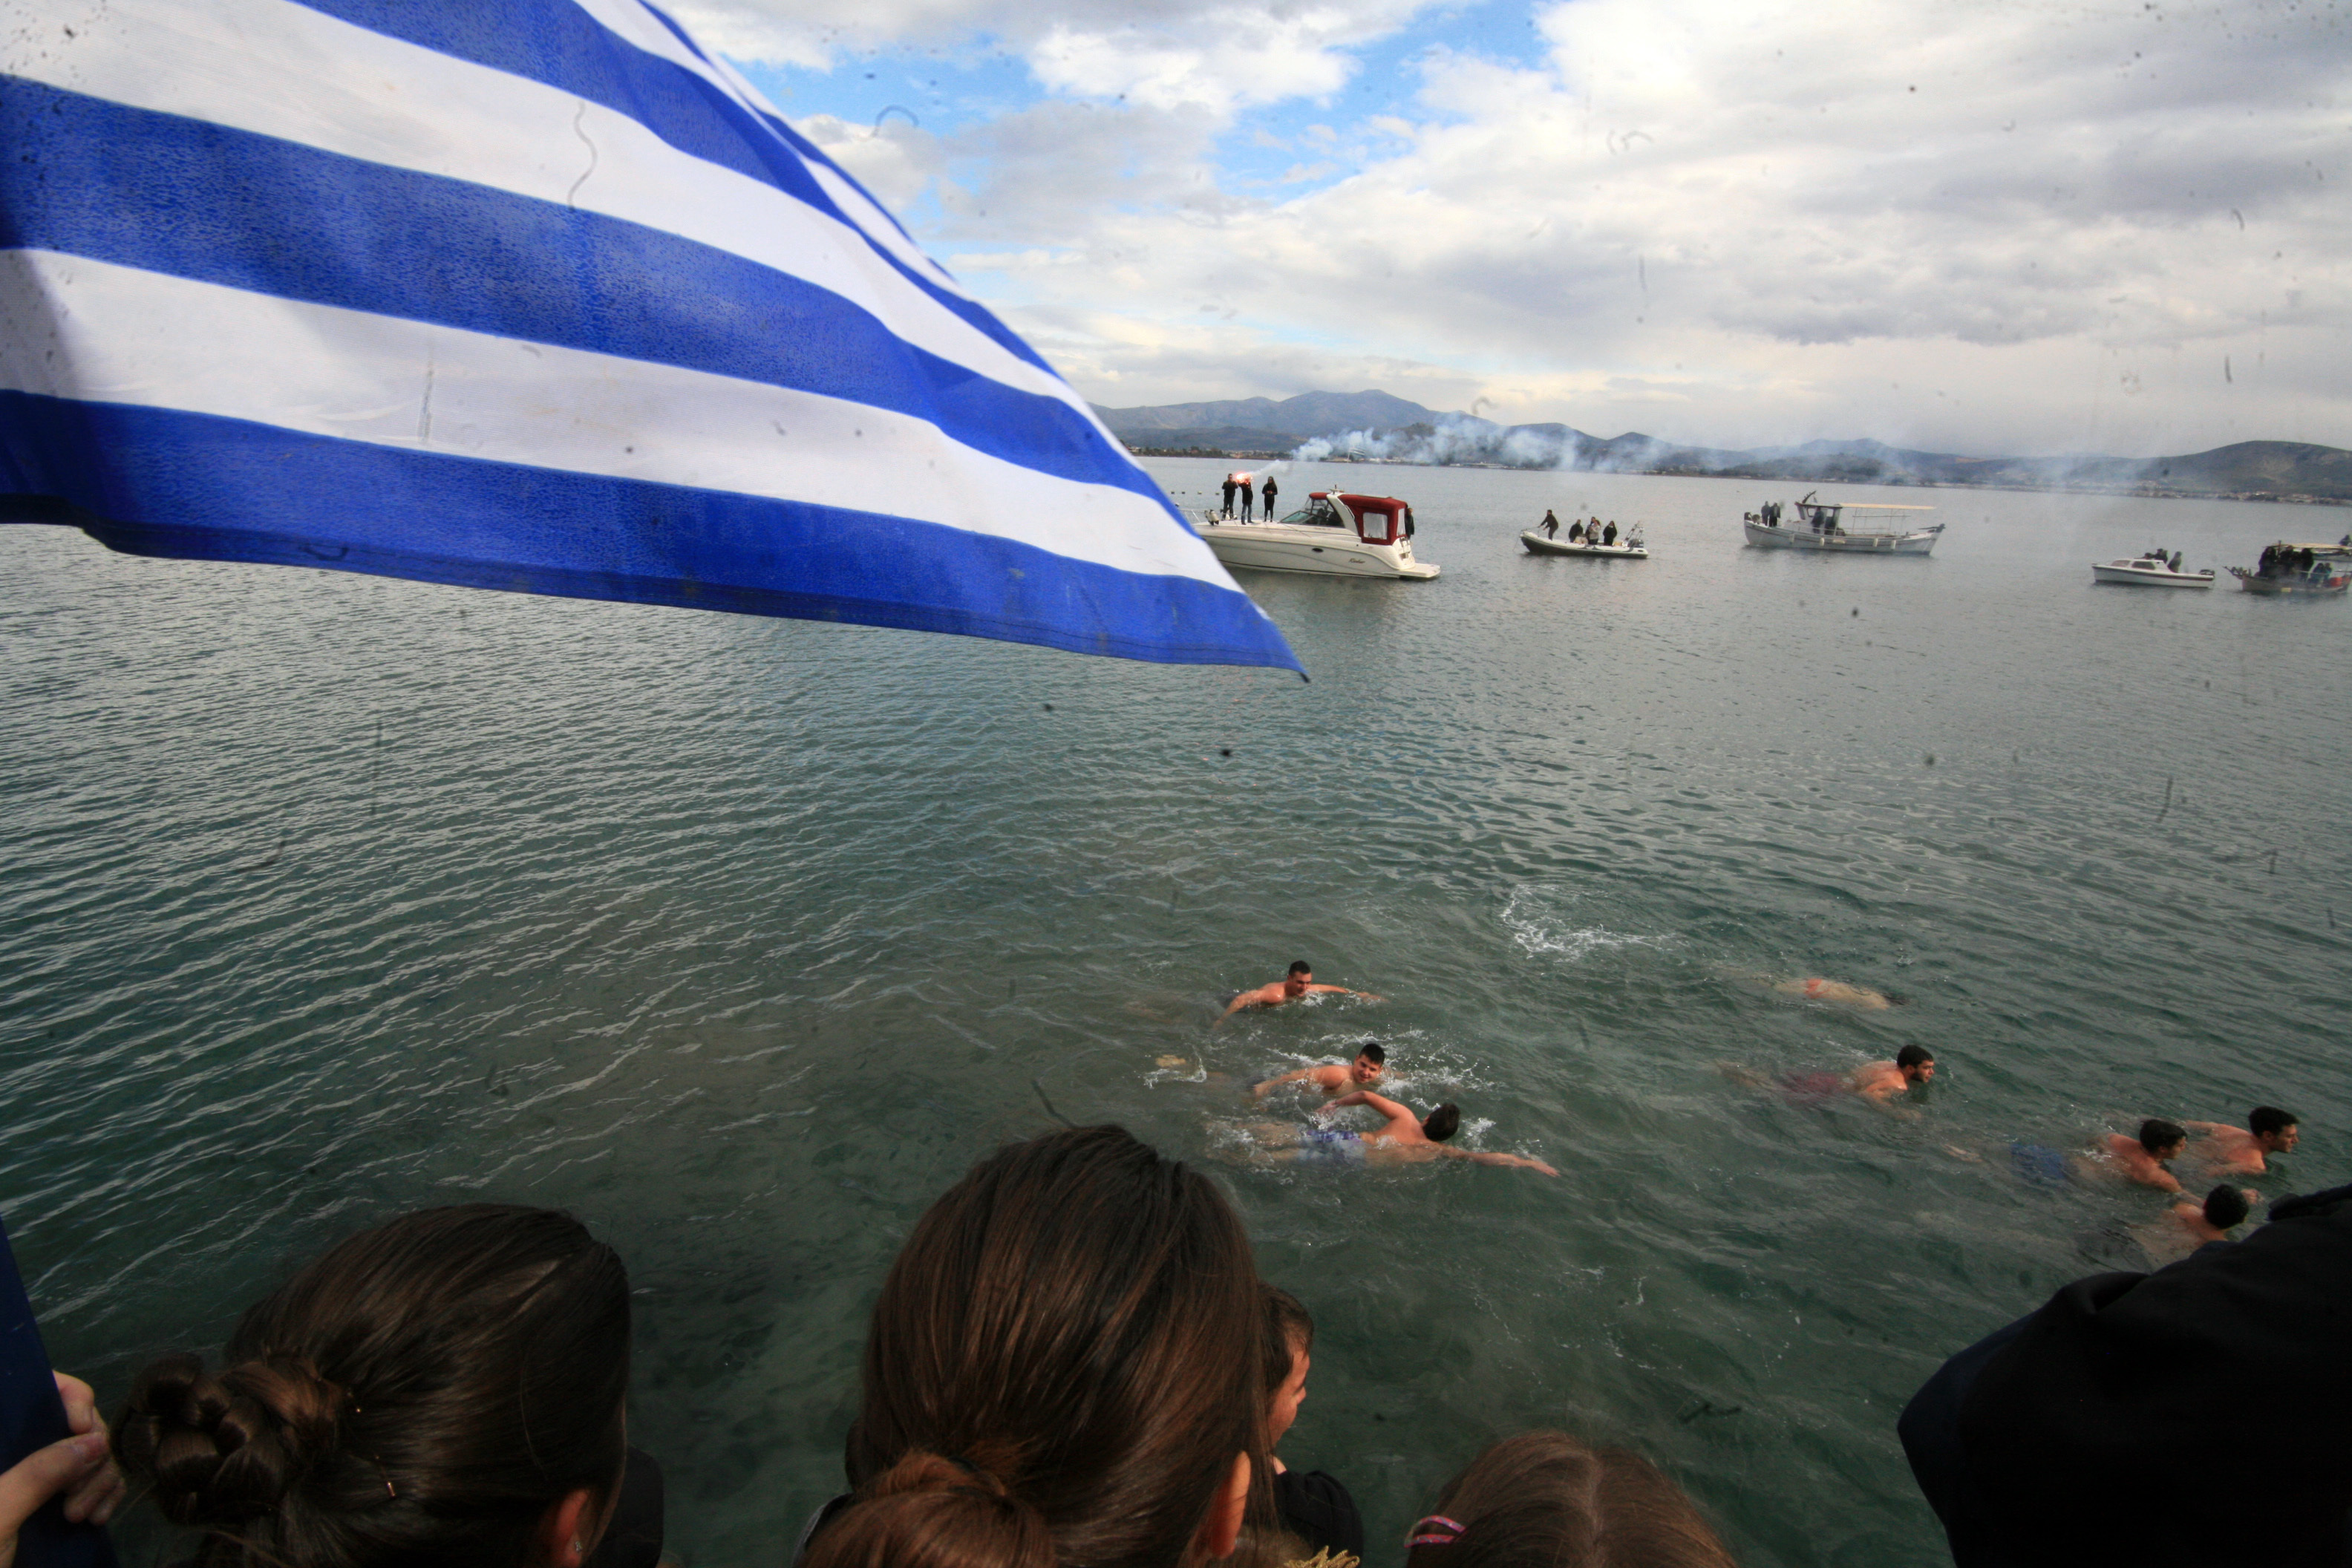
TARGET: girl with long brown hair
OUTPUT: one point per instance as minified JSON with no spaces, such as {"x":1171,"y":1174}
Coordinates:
{"x":1063,"y":1370}
{"x":445,"y":1389}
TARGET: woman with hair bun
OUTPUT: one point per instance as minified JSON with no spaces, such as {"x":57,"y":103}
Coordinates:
{"x":1544,"y":1500}
{"x":446,"y":1389}
{"x":1062,"y":1369}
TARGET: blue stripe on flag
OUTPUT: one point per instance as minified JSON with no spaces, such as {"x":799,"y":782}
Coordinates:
{"x":196,"y":200}
{"x":237,"y":490}
{"x":562,"y":47}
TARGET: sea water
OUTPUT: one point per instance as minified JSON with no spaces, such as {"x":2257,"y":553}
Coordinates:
{"x":322,"y":897}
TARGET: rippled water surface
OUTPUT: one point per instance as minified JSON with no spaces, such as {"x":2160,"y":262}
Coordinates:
{"x":321,"y":896}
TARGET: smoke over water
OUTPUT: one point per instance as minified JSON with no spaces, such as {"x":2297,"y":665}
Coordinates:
{"x":1463,"y":439}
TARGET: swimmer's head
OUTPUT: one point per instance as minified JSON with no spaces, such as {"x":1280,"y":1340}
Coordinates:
{"x":2274,"y":1129}
{"x":1369,"y":1063}
{"x":1301,"y":975}
{"x":1442,"y":1123}
{"x":2161,"y":1138}
{"x":2226,"y":1206}
{"x":1916,"y":1063}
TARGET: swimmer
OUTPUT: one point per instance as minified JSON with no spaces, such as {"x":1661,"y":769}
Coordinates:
{"x":1333,"y":1077}
{"x":1407,"y":1139}
{"x":1816,"y":989}
{"x":1299,"y":981}
{"x":2243,"y":1151}
{"x":2143,"y":1159}
{"x":1877,"y":1082}
{"x":1882,"y":1082}
{"x":2186,"y":1226}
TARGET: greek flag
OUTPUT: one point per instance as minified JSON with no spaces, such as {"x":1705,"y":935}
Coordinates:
{"x":534,"y":295}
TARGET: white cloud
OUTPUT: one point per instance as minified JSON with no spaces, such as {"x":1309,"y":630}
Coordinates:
{"x":2014,"y":226}
{"x":1208,"y":56}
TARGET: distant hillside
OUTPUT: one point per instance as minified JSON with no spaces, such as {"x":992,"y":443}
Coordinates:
{"x":1375,"y":427}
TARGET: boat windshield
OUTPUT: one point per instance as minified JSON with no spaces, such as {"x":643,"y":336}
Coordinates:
{"x":1318,"y":513}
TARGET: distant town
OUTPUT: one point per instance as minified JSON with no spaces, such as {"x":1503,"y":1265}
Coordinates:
{"x":1377,"y":427}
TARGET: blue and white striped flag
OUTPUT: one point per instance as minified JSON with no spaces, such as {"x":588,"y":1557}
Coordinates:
{"x":536,"y":295}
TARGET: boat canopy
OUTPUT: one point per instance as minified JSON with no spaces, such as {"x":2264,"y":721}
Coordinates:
{"x":1380,"y":519}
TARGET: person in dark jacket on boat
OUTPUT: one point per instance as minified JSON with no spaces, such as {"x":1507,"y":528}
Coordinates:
{"x":1611,"y":537}
{"x":1549,"y":526}
{"x":1266,"y":493}
{"x":1230,"y":488}
{"x":1575,"y":531}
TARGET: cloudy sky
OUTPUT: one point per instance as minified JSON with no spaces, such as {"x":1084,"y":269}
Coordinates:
{"x":1976,"y":225}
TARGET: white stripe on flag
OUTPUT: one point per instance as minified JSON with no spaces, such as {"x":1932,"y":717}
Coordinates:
{"x":277,"y":68}
{"x":631,"y":20}
{"x":96,"y":331}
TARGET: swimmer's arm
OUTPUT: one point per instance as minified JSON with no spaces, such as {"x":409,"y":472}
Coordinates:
{"x":1345,"y":992}
{"x":1246,"y":999}
{"x":1380,"y":1103}
{"x":1484,"y":1158}
{"x":1262,"y":1089}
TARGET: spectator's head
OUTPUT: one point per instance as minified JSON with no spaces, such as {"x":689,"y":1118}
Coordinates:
{"x":1442,"y":1123}
{"x":1369,"y":1063}
{"x":2226,"y":1206}
{"x":2274,"y":1129}
{"x":2160,"y":1138}
{"x":1301,"y":975}
{"x":1543,"y":1499}
{"x":1917,"y":1064}
{"x":1289,"y":1339}
{"x":446,"y":1388}
{"x":1064,"y":1365}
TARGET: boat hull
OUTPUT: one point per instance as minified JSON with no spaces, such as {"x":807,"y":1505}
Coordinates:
{"x":1917,"y":543}
{"x":2291,"y":587}
{"x":2132,"y":574}
{"x":1538,"y":545}
{"x":1318,"y":551}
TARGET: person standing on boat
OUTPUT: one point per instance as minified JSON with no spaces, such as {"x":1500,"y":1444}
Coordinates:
{"x":1549,"y":526}
{"x":1266,"y":494}
{"x":1230,"y":488}
{"x":1575,"y":531}
{"x":1611,"y":537}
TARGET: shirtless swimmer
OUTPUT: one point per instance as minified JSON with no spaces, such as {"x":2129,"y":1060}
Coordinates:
{"x":1813,"y":988}
{"x":1333,"y":1077}
{"x":1407,"y":1139}
{"x":1881,"y":1081}
{"x":2143,"y":1159}
{"x":1299,"y":981}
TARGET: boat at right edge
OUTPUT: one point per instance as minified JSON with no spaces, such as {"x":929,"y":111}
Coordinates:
{"x":1830,"y":528}
{"x":2311,"y":570}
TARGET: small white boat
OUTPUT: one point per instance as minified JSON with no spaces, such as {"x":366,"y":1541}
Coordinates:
{"x":1626,"y":549}
{"x":2287,"y":570}
{"x":1336,"y":534}
{"x":1827,"y":526}
{"x":2154,"y":569}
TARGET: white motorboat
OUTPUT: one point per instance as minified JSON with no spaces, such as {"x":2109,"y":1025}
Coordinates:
{"x":2286,"y":570}
{"x":1828,"y":526}
{"x":1626,"y":549}
{"x":2153,"y":570}
{"x":1336,"y":533}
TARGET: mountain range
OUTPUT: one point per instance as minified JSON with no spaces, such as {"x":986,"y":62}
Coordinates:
{"x":1378,"y":427}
